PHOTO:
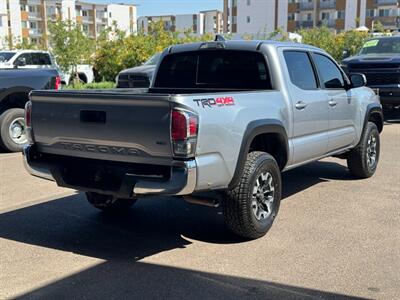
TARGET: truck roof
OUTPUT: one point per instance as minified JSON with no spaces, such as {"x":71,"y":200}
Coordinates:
{"x":238,"y":45}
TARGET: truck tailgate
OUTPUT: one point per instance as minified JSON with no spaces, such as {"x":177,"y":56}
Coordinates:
{"x":103,"y":125}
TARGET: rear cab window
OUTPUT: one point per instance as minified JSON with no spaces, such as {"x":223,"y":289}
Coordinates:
{"x":300,"y":69}
{"x":220,"y":69}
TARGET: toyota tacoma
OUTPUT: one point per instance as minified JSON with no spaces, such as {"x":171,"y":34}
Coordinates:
{"x":219,"y":124}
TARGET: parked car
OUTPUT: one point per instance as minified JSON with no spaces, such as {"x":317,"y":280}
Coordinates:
{"x":35,"y":59}
{"x":15,"y":86}
{"x":138,"y":77}
{"x":379,"y":61}
{"x":220,"y":122}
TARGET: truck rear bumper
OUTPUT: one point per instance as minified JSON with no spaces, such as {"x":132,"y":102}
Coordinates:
{"x":112,"y":178}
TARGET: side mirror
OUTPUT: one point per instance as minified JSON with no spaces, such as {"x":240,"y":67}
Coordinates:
{"x":20,"y":62}
{"x":358,"y":80}
{"x":345,"y":53}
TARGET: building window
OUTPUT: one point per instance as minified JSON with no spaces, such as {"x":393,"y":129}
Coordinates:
{"x":1,"y":22}
{"x":325,"y":16}
{"x":291,"y":17}
{"x":109,"y":15}
{"x":341,"y":14}
{"x":248,"y":19}
{"x":248,"y":2}
{"x":387,"y":13}
{"x":24,"y":24}
{"x":32,"y":25}
{"x":309,"y":17}
{"x":370,"y":13}
{"x":84,"y":13}
{"x":32,"y":9}
{"x":23,"y":7}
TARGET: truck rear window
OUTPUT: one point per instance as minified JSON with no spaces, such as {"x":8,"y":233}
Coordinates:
{"x":225,"y":69}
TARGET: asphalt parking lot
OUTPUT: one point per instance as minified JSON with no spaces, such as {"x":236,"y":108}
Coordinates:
{"x":335,"y":237}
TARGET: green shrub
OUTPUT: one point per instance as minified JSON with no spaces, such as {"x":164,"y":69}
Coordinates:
{"x":91,"y":86}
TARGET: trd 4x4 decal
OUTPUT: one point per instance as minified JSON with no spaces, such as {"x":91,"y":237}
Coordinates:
{"x":215,"y":102}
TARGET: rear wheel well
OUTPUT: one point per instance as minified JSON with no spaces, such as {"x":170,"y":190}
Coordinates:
{"x":376,"y":118}
{"x":15,"y":100}
{"x":83,"y":77}
{"x":272,"y":143}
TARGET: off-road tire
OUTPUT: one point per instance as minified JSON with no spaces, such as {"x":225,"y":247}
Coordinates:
{"x":237,"y":204}
{"x":108,"y":203}
{"x":6,"y":118}
{"x":357,"y":160}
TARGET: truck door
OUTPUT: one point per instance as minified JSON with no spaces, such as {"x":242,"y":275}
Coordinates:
{"x":342,"y":107}
{"x":310,"y":111}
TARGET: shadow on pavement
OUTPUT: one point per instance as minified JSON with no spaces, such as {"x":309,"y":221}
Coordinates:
{"x":130,"y":280}
{"x":154,"y":225}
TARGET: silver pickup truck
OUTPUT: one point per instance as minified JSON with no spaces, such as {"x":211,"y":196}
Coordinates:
{"x":220,"y":122}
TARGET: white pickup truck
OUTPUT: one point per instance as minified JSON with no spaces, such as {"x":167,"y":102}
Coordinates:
{"x":36,"y":59}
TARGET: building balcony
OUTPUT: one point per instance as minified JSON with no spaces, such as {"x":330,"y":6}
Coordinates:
{"x":327,"y":4}
{"x":303,"y":24}
{"x":35,"y":32}
{"x":101,"y":20}
{"x":388,"y":21}
{"x":327,"y":23}
{"x":35,"y":16}
{"x":87,"y":20}
{"x":386,"y":2}
{"x":306,"y":5}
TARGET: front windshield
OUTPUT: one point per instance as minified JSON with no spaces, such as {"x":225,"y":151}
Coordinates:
{"x":380,"y":46}
{"x":153,"y":60}
{"x":6,"y":56}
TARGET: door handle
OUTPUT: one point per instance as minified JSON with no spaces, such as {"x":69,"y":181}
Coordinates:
{"x":332,"y":103}
{"x":301,"y":105}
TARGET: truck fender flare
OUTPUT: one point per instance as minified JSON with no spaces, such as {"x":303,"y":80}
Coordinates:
{"x":14,"y":90}
{"x":373,"y":109}
{"x":253,"y":129}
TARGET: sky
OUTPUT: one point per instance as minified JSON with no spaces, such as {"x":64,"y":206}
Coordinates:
{"x":168,"y":7}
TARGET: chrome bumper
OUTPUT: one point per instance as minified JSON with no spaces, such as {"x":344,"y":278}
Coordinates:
{"x":182,"y":181}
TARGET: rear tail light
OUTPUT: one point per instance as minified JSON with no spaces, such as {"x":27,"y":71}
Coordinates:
{"x":184,"y":129}
{"x":57,"y":84}
{"x":28,"y":122}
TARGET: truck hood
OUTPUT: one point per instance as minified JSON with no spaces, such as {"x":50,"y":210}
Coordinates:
{"x":375,"y":58}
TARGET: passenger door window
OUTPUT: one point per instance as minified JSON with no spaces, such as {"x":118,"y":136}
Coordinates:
{"x":331,"y":76}
{"x":300,"y":70}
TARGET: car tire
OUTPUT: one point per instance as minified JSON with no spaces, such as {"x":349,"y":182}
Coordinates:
{"x":251,"y":207}
{"x":13,"y":118}
{"x":363,"y":160}
{"x":108,"y":203}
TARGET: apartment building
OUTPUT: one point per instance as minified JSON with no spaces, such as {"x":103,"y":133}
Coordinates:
{"x":29,"y":19}
{"x":258,"y":16}
{"x":210,"y":21}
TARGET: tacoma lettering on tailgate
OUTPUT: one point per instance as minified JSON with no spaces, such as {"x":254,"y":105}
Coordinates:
{"x":100,"y":149}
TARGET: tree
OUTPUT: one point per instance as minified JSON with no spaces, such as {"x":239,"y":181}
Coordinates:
{"x":70,"y":45}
